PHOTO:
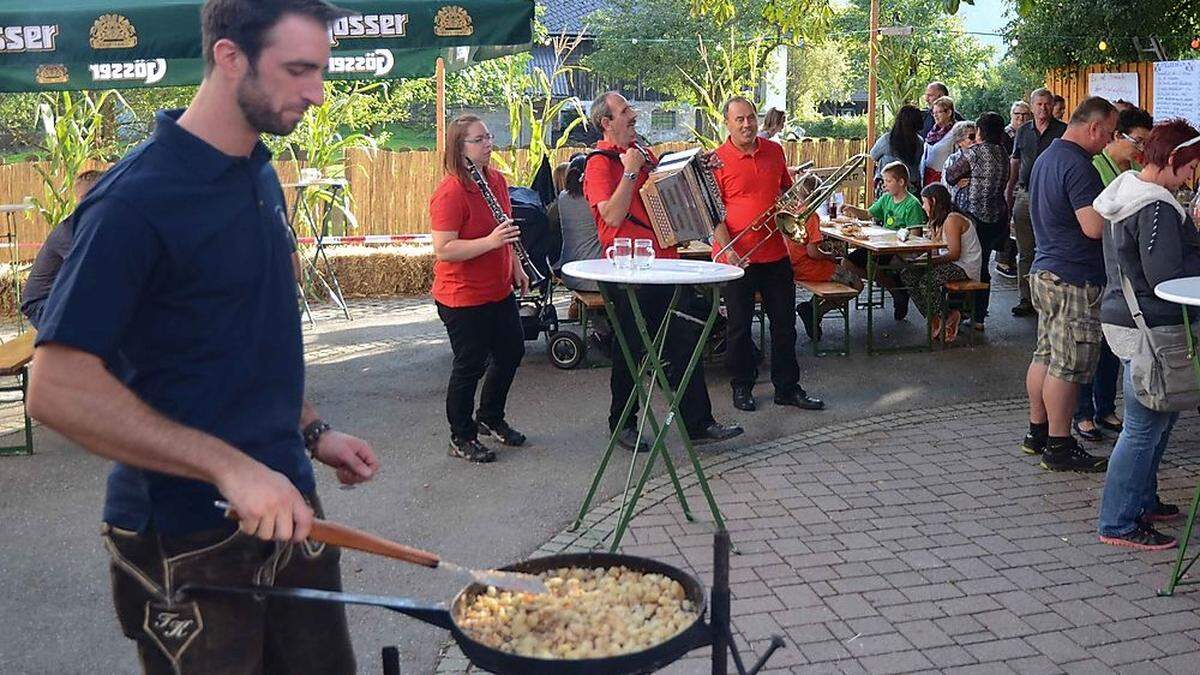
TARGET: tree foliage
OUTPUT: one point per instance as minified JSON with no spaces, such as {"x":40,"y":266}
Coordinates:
{"x":659,"y":41}
{"x":938,"y":49}
{"x":1053,"y":34}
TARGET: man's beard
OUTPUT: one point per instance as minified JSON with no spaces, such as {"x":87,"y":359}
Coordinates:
{"x":257,"y":109}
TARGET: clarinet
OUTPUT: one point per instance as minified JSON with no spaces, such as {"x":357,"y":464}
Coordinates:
{"x":531,"y":271}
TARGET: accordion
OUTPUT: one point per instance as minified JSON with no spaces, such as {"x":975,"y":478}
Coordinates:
{"x":682,"y":199}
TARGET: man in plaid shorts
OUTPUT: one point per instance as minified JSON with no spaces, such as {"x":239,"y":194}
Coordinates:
{"x":1066,"y":282}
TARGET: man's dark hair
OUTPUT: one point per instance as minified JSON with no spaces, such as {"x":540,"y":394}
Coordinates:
{"x":1091,"y":110}
{"x":246,"y":22}
{"x":1059,"y":99}
{"x":1134,"y":118}
{"x":990,"y":128}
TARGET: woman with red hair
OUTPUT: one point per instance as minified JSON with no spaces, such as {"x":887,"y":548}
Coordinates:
{"x":1150,"y":239}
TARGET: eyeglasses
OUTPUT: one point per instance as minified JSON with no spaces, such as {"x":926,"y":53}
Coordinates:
{"x":1192,"y":141}
{"x":1133,"y":141}
{"x":486,"y":138}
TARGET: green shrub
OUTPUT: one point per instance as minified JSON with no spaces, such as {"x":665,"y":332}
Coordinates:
{"x":827,"y":126}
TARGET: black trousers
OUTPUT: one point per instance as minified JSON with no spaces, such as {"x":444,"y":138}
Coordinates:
{"x":488,"y":343}
{"x":774,"y":282}
{"x":682,"y":337}
{"x":992,"y":237}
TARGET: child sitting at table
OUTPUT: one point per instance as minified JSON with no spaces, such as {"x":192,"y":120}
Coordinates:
{"x":896,"y":208}
{"x":812,"y":263}
{"x":961,"y":259}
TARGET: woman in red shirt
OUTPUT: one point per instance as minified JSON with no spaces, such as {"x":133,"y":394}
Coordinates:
{"x":473,"y":280}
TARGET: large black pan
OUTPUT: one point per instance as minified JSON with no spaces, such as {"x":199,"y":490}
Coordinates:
{"x":697,"y":634}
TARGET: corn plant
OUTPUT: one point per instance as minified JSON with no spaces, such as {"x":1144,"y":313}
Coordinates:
{"x":533,"y":110}
{"x":72,"y":125}
{"x":320,"y":142}
{"x":732,"y":69}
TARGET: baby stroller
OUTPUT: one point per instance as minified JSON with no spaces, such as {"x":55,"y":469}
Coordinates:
{"x":538,"y":315}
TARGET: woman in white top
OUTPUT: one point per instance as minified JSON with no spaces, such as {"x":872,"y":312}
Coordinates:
{"x":959,"y":261}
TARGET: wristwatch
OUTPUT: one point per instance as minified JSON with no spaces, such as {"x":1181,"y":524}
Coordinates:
{"x":631,"y":175}
{"x":312,"y":433}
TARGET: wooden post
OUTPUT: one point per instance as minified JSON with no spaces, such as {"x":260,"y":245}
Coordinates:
{"x":439,"y":76}
{"x":872,"y":95}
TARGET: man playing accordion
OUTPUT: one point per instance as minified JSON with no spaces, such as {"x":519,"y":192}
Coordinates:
{"x":612,"y":180}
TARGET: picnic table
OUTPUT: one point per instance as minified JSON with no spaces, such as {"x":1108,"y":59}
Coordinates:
{"x":877,"y":241}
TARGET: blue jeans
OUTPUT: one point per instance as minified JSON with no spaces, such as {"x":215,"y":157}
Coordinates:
{"x":1131,"y":484}
{"x":1098,"y":399}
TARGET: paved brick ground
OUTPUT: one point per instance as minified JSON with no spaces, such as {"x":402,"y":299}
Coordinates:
{"x":921,"y":542}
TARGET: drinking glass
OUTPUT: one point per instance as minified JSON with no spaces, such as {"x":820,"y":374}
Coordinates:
{"x":620,"y":254}
{"x":643,"y":254}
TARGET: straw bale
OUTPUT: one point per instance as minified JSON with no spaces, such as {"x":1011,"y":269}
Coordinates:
{"x":380,"y":271}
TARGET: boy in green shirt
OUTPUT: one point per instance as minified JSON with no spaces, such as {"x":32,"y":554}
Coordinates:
{"x":896,"y":208}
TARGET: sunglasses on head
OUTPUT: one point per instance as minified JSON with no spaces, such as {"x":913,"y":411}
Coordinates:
{"x":1191,"y":141}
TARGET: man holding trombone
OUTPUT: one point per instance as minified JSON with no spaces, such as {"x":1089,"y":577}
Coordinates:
{"x":753,"y":175}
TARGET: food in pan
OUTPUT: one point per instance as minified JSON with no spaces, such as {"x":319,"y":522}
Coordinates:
{"x":588,"y":613}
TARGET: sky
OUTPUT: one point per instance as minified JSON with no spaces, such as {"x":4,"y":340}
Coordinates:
{"x":986,"y":16}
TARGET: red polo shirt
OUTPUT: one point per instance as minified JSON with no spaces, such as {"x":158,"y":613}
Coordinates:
{"x":600,"y":181}
{"x":750,"y":184}
{"x":459,"y":207}
{"x":805,"y":268}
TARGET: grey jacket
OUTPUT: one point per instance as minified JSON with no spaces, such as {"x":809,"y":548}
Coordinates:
{"x":1154,"y":240}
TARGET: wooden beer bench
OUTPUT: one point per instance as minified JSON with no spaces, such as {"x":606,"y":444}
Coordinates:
{"x":967,"y":290}
{"x":835,"y":292}
{"x":15,"y":356}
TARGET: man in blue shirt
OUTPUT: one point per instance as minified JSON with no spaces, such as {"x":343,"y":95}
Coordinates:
{"x":182,"y":270}
{"x":1066,"y":281}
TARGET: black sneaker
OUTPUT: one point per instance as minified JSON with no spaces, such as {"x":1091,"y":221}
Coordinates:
{"x":502,"y":432}
{"x":628,"y":439}
{"x":1162,"y":512}
{"x":1006,"y":271}
{"x":1023,"y":308}
{"x":1144,"y":538}
{"x":1073,"y":458}
{"x":472,"y":451}
{"x":1033,"y":445}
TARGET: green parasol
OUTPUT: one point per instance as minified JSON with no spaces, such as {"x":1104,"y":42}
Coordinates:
{"x":115,"y":44}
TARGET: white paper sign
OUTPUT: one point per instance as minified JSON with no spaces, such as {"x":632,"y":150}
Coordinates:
{"x":1114,"y":86}
{"x":1177,"y":90}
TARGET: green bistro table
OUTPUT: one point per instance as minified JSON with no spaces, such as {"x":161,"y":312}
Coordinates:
{"x":679,"y":274}
{"x":877,"y":241}
{"x":1184,"y":291}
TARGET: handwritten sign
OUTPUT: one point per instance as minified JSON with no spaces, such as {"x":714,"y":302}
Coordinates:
{"x":1114,"y":86}
{"x":1177,"y":90}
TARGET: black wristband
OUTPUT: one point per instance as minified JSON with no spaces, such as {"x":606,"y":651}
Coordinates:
{"x":312,"y":433}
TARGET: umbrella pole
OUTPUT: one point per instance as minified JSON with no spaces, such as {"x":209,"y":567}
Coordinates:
{"x":439,"y":76}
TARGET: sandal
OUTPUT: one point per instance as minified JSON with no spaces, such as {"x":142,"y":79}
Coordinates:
{"x":1094,"y":435}
{"x":935,"y":325}
{"x":952,"y":320}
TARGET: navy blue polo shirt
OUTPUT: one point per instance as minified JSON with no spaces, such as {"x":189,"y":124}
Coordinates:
{"x":1063,"y":180}
{"x":182,"y":271}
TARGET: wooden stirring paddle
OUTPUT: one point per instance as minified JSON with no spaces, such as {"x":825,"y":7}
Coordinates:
{"x":336,"y":534}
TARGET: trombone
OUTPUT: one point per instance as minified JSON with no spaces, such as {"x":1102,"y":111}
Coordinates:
{"x":791,"y":210}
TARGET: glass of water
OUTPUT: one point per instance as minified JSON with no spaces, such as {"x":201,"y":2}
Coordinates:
{"x":643,"y":254}
{"x":620,"y":253}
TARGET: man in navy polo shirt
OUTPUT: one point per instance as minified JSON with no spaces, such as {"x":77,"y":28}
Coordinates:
{"x":1066,"y":282}
{"x":182,"y":269}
